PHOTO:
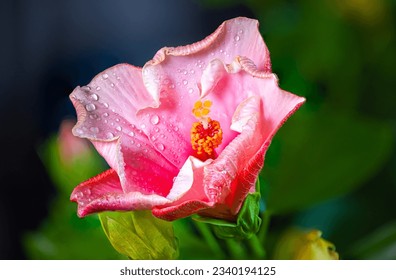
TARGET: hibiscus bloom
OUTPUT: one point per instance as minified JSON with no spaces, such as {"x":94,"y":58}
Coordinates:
{"x":188,"y":132}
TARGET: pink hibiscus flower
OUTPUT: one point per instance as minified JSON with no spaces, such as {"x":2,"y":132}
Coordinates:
{"x":188,"y":132}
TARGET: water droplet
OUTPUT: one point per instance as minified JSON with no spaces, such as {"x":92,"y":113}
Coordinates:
{"x":109,"y":135}
{"x":112,"y":85}
{"x":153,"y":138}
{"x":117,"y":119}
{"x":138,"y":145}
{"x":160,"y":146}
{"x":105,"y":76}
{"x":156,"y":129}
{"x":171,"y":86}
{"x":79,"y":131}
{"x":87,"y":191}
{"x":131,"y":133}
{"x":90,"y":107}
{"x":162,"y":136}
{"x":185,"y":72}
{"x":119,"y":128}
{"x":185,"y":82}
{"x":154,"y":119}
{"x":237,"y":38}
{"x":143,"y":126}
{"x":98,"y":88}
{"x":79,"y":195}
{"x":105,"y":121}
{"x":106,"y":105}
{"x":240,"y":31}
{"x":93,"y":116}
{"x":190,"y":90}
{"x":145,"y":150}
{"x":105,"y":115}
{"x":176,"y":128}
{"x":94,"y":129}
{"x":118,"y":78}
{"x":221,"y":51}
{"x":94,"y":97}
{"x":192,"y":71}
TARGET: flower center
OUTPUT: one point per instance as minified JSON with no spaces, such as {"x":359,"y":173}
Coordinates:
{"x":206,"y":134}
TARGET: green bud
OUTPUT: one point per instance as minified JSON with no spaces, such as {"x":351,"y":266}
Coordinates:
{"x":247,"y":224}
{"x":296,"y":244}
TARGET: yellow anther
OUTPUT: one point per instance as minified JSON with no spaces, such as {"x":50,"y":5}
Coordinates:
{"x":205,"y":112}
{"x":198,"y":104}
{"x":207,"y":103}
{"x":201,"y":110}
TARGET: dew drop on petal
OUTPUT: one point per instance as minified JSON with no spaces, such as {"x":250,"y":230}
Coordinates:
{"x":105,"y":115}
{"x":131,"y":133}
{"x":185,"y":82}
{"x":90,"y":107}
{"x":160,"y":146}
{"x":79,"y":131}
{"x":154,"y":119}
{"x":93,"y":116}
{"x":143,"y":126}
{"x":106,"y":105}
{"x":109,"y":135}
{"x":94,"y":129}
{"x":237,"y":38}
{"x":119,"y":128}
{"x":190,"y":90}
{"x":156,"y":129}
{"x":94,"y":97}
{"x":175,"y":128}
{"x":138,"y":145}
{"x":105,"y":76}
{"x":112,"y":85}
{"x":98,"y":88}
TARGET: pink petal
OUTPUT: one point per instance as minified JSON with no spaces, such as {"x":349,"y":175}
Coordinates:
{"x":187,"y":193}
{"x":228,"y":179}
{"x":104,"y":193}
{"x":174,"y":75}
{"x":107,"y":115}
{"x":243,"y":158}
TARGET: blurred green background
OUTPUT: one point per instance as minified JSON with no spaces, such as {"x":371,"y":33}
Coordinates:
{"x":332,"y":166}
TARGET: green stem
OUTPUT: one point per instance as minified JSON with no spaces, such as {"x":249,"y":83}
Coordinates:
{"x":257,"y":248}
{"x":211,"y":240}
{"x":235,"y":250}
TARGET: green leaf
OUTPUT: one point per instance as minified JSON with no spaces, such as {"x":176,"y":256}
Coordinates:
{"x":139,"y":235}
{"x":323,"y":155}
{"x":380,"y":245}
